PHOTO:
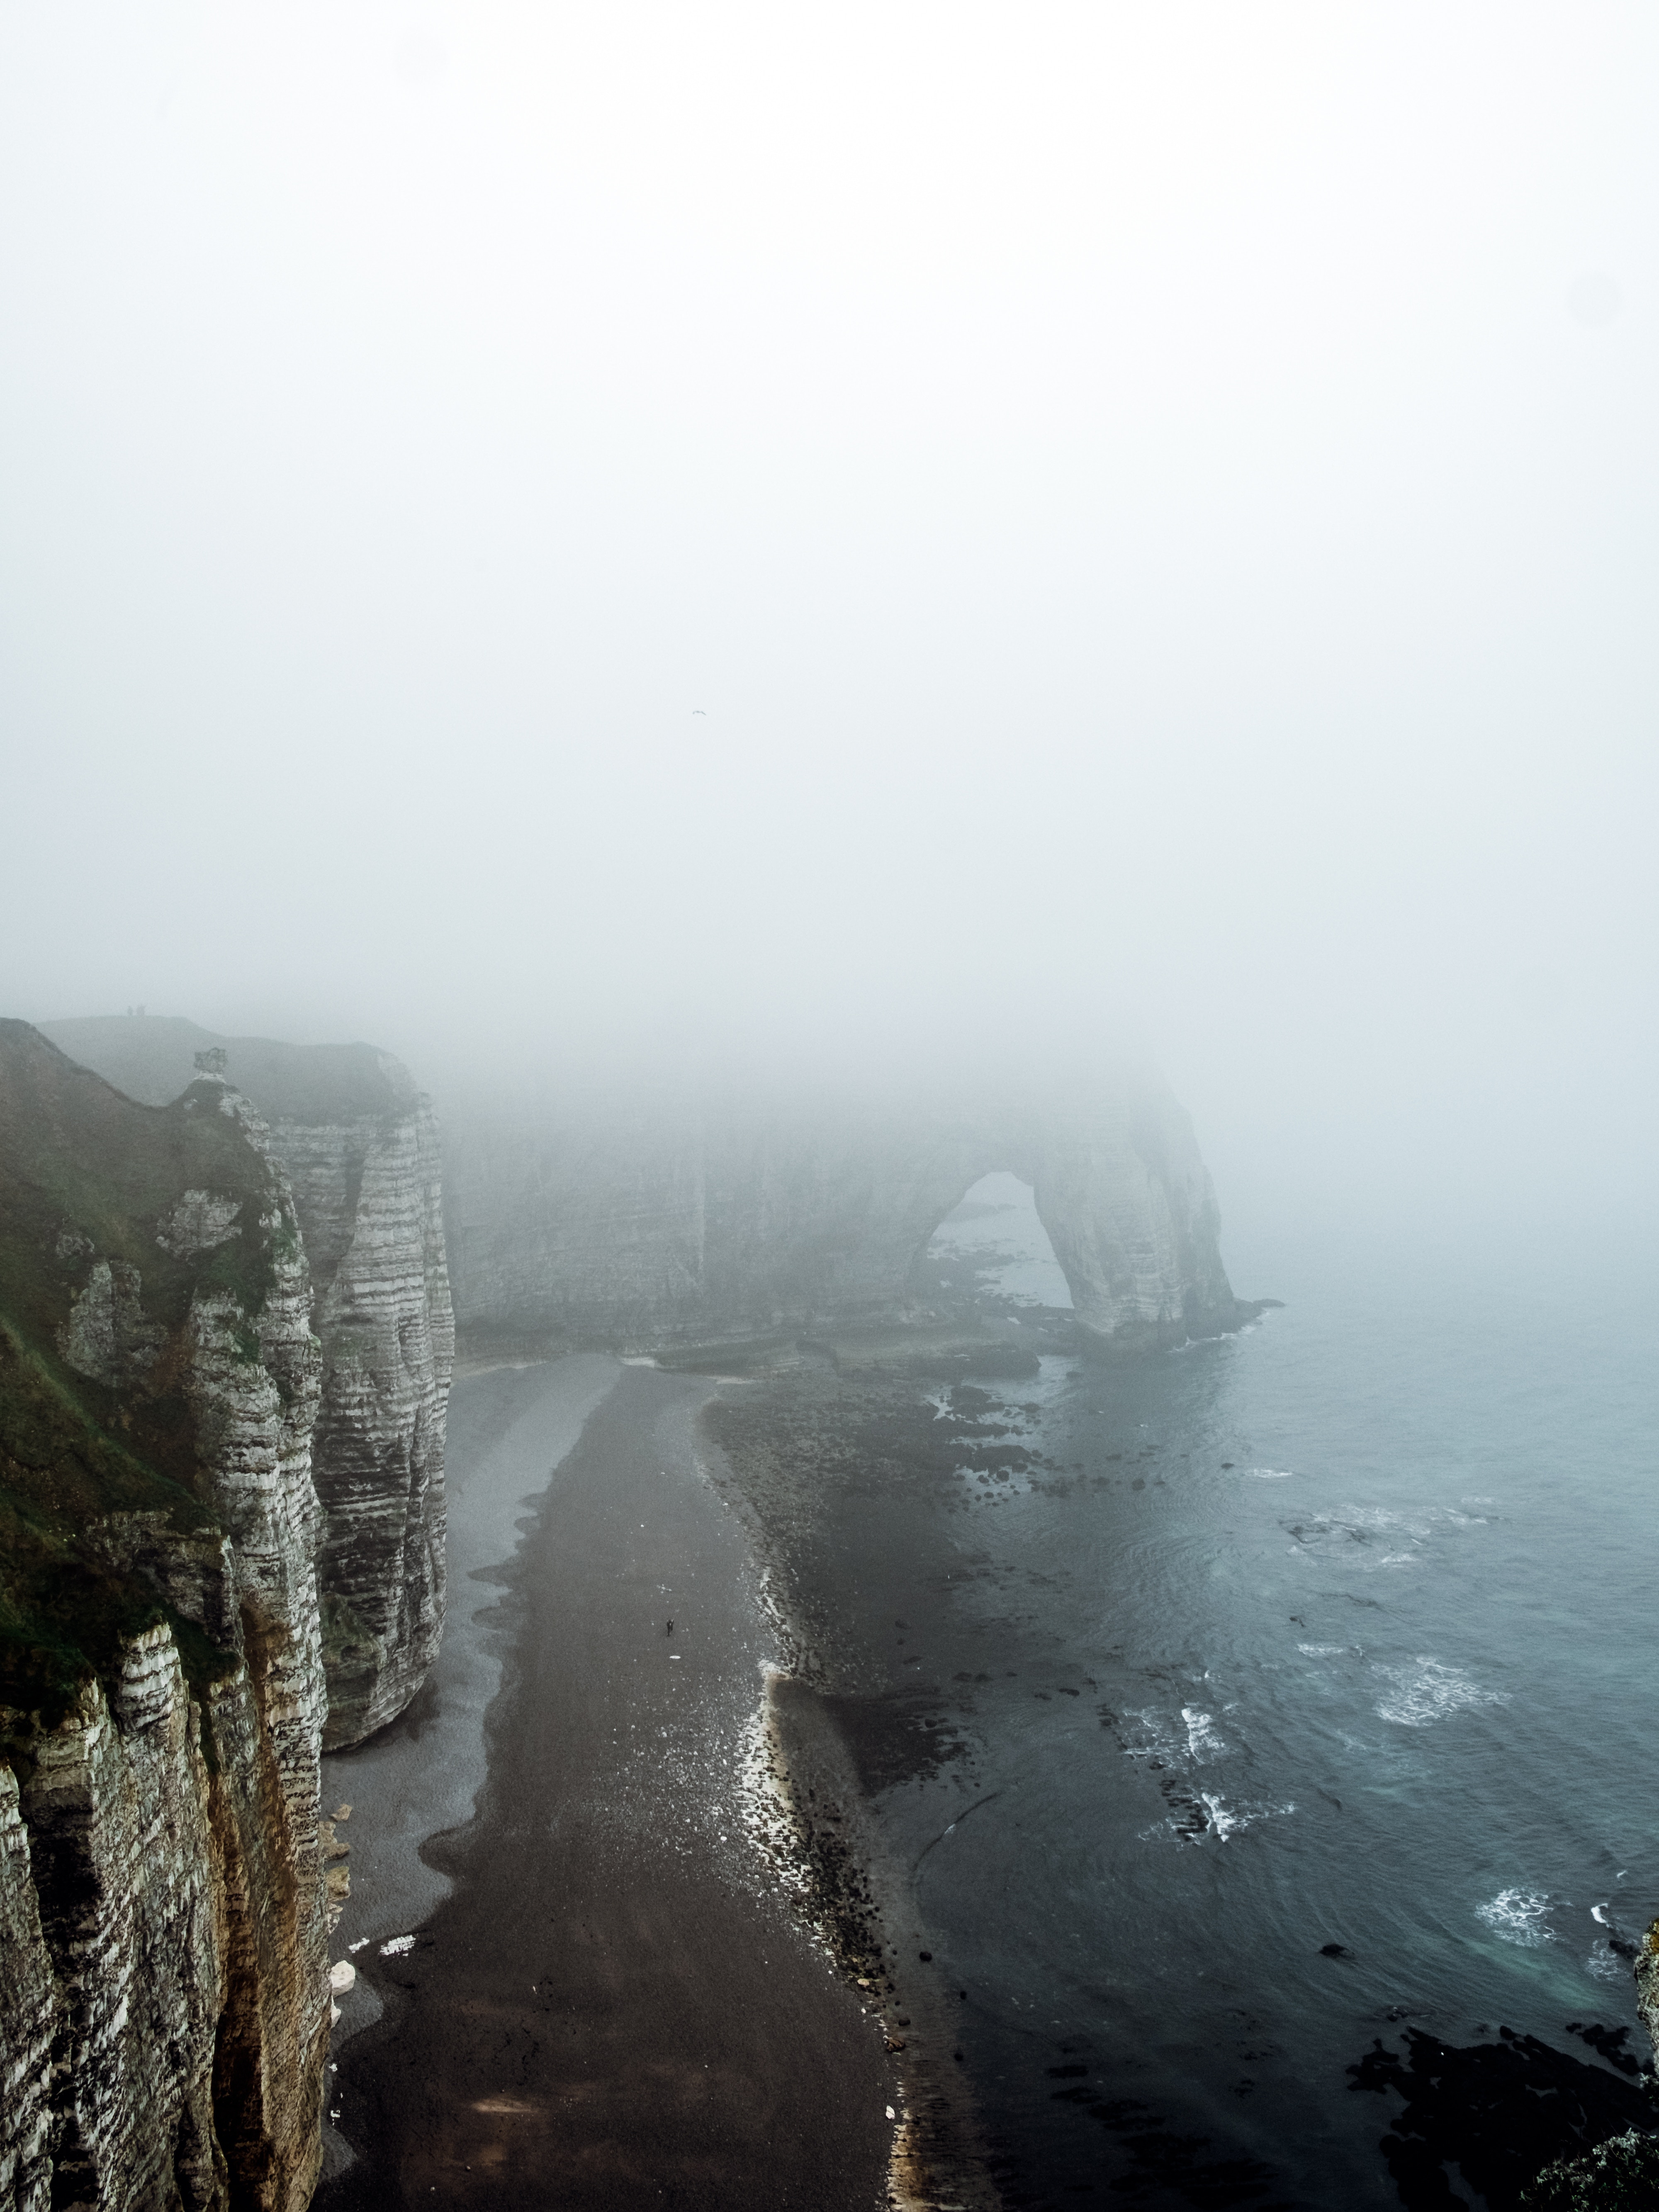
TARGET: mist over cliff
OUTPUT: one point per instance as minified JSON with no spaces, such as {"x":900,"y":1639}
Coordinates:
{"x":558,"y":542}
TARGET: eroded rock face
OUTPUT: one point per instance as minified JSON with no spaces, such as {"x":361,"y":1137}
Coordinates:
{"x":369,"y":1198}
{"x":108,"y":1337}
{"x":30,"y":2018}
{"x":1646,"y":1984}
{"x":359,"y":1145}
{"x":162,"y":1899}
{"x":613,"y":1227}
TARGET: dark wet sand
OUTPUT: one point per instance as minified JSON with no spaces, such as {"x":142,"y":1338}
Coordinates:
{"x":616,"y":2007}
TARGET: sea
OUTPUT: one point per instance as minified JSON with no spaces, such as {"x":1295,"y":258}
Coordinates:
{"x":1301,"y":1823}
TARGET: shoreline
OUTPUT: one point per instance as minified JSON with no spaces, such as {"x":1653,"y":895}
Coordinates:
{"x":421,"y":1777}
{"x":619,"y":1991}
{"x":913,"y":1669}
{"x":841,"y":1741}
{"x":851,"y":1887}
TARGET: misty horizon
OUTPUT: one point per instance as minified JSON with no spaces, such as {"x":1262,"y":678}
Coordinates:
{"x":711,"y":539}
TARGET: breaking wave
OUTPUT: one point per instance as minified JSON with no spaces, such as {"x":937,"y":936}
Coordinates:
{"x":1517,"y":1916}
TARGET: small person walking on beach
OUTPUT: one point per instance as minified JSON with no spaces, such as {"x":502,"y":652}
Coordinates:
{"x":669,"y":1631}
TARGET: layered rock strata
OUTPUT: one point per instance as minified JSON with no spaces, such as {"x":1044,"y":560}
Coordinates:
{"x":1646,"y":1984}
{"x":359,"y":1148}
{"x":600,"y":1226}
{"x":162,"y":1904}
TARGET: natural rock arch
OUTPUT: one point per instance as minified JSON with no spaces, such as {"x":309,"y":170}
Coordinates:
{"x":567,"y":1228}
{"x":993,"y":1230}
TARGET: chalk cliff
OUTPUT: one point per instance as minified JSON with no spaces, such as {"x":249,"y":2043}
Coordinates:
{"x":1646,"y":1984}
{"x":162,"y":1904}
{"x":597,"y":1225}
{"x":359,"y":1145}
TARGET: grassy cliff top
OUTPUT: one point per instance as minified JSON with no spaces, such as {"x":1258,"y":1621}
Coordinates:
{"x":88,"y":1177}
{"x":152,"y":1057}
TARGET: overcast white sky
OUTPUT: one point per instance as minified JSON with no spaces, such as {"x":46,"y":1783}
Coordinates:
{"x":703,"y":520}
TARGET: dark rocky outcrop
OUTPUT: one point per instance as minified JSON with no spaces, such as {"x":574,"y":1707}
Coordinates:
{"x":359,"y":1146}
{"x":1522,"y":2120}
{"x":611,"y":1224}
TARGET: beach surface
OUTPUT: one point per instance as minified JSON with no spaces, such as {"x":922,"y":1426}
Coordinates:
{"x":609,"y":1996}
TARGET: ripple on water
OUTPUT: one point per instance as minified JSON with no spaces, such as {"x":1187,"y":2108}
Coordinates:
{"x":1427,"y":1691}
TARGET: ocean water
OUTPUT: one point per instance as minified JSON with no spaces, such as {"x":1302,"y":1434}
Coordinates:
{"x":1304,"y":1691}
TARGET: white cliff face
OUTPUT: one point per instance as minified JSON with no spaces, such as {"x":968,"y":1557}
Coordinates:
{"x":577,"y":1228}
{"x":30,"y":2018}
{"x":1131,"y":1212}
{"x":108,"y":1337}
{"x":120,"y":1859}
{"x":1647,"y":1985}
{"x":367,"y":1192}
{"x":162,"y":1898}
{"x":359,"y":1146}
{"x":170,"y":2047}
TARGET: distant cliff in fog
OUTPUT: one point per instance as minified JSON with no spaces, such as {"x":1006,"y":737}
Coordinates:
{"x":646,"y":1226}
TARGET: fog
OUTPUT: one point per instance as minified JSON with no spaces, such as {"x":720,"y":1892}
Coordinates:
{"x":812,"y":535}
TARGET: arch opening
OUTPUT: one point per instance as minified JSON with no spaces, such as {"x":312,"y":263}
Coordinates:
{"x":991,"y":1253}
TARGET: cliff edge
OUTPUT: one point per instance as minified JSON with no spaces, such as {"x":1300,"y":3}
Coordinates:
{"x":162,"y":1904}
{"x":359,"y":1145}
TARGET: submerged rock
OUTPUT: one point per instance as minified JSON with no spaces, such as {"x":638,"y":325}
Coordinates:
{"x":1503,"y":2114}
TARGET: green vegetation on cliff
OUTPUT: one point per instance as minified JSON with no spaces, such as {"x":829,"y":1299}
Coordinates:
{"x":1620,"y":2175}
{"x":99,"y":1268}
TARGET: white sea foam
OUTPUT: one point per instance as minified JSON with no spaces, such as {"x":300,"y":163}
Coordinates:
{"x":1202,"y":1741}
{"x":396,"y":1946}
{"x":1427,"y":1691}
{"x":1517,"y":1916}
{"x":1351,"y":1526}
{"x":1325,"y":1650}
{"x":1207,"y":1817}
{"x":1221,"y":1822}
{"x":1224,"y":1821}
{"x":1155,"y":1740}
{"x":1158,"y":1738}
{"x":1271,"y":1474}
